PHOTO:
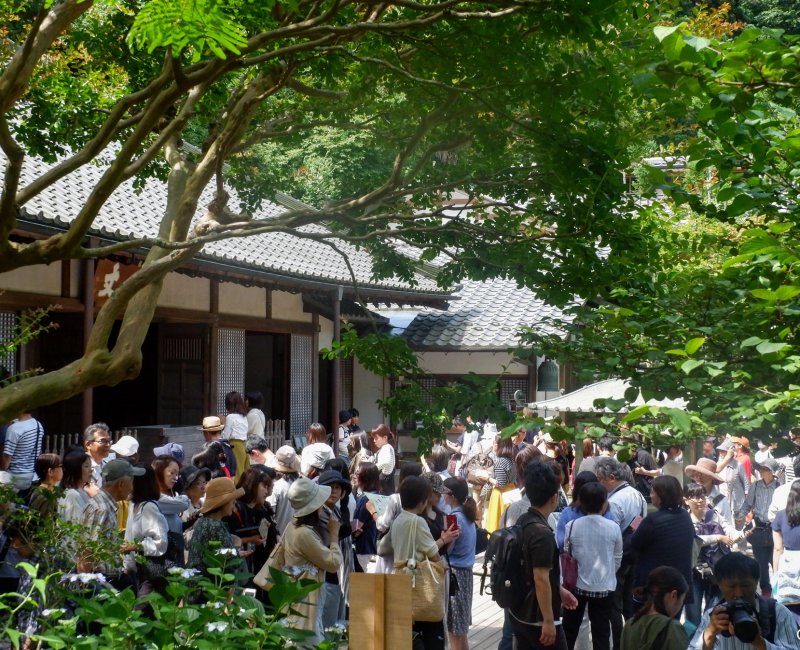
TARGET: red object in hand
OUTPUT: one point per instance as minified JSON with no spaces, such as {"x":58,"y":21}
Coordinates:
{"x":452,"y":520}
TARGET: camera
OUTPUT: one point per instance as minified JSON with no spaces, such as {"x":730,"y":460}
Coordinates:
{"x":743,"y":618}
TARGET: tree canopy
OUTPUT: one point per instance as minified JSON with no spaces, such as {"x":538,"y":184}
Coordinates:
{"x":522,"y":104}
{"x":714,"y":317}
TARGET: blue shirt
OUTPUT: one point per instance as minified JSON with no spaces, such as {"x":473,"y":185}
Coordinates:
{"x":571,"y":513}
{"x":462,"y":553}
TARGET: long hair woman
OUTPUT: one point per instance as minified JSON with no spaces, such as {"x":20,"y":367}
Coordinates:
{"x":385,"y":459}
{"x":461,"y":557}
{"x":303,"y":549}
{"x":171,"y":504}
{"x":250,"y":510}
{"x":148,"y":528}
{"x":786,"y":553}
{"x":77,"y":468}
{"x":654,"y":626}
{"x":501,"y":481}
{"x":235,"y":430}
{"x":365,"y":529}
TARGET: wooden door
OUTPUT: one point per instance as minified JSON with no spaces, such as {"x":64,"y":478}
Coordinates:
{"x":183,"y":355}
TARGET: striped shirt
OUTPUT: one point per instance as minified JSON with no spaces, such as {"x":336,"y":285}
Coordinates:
{"x":785,"y":634}
{"x":503,"y":471}
{"x":23,"y":444}
{"x":758,"y":499}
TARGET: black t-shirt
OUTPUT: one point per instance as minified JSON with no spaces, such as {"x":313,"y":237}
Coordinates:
{"x":541,"y":552}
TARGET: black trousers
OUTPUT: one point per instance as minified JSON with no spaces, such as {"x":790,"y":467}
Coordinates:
{"x":623,"y":606}
{"x":600,"y":612}
{"x":763,"y":555}
{"x":526,"y":637}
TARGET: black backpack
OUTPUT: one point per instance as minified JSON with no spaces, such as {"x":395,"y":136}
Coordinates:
{"x":510,"y":582}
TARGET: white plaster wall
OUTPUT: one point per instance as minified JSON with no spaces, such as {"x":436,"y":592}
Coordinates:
{"x":183,"y":292}
{"x":44,"y":279}
{"x":289,"y":306}
{"x":242,"y":301}
{"x":325,"y":333}
{"x":367,"y":390}
{"x":461,"y":363}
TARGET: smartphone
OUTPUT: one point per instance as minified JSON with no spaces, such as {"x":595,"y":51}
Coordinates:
{"x":452,"y":520}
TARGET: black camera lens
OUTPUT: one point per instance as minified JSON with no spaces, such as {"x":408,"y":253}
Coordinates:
{"x":743,"y":619}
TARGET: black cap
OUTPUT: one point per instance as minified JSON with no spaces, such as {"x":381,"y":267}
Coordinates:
{"x":458,"y":487}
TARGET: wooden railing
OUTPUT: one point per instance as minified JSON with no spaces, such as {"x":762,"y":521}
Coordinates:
{"x":59,"y":443}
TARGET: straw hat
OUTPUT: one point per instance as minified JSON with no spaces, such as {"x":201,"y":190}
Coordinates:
{"x":705,"y":467}
{"x":220,"y":491}
{"x":307,"y":497}
{"x":286,"y":460}
{"x":211,"y":423}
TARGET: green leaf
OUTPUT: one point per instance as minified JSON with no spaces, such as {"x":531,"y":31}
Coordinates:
{"x":768,"y":347}
{"x":637,"y":413}
{"x":690,"y":364}
{"x":662,"y":31}
{"x":753,"y":340}
{"x":693,"y":345}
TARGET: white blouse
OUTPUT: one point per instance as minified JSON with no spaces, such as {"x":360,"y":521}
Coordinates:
{"x":148,"y":527}
{"x":235,"y":427}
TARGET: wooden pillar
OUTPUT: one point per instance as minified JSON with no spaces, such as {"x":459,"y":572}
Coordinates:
{"x":336,"y":389}
{"x":315,"y":369}
{"x":213,"y":360}
{"x":87,"y":407}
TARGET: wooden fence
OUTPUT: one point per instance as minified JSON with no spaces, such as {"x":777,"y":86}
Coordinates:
{"x":59,"y":443}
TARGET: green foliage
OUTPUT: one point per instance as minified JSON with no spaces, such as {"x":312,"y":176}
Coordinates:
{"x":198,"y":612}
{"x":31,"y":324}
{"x":412,"y":400}
{"x":199,"y":26}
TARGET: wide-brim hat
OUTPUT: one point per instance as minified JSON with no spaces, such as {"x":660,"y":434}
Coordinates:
{"x":220,"y":491}
{"x":286,"y":460}
{"x":211,"y":423}
{"x":315,"y":455}
{"x":306,"y":497}
{"x":706,"y":468}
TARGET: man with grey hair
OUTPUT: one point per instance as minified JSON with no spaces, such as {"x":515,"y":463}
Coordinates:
{"x":628,"y":508}
{"x":97,"y":441}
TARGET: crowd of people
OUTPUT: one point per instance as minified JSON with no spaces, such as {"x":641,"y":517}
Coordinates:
{"x":660,"y":555}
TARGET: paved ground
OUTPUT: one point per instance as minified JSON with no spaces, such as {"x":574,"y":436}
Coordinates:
{"x":487,"y":617}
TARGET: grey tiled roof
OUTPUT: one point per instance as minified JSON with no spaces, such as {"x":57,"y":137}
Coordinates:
{"x":487,"y":316}
{"x":129,"y":214}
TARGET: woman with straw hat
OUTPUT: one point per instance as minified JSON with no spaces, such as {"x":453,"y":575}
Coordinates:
{"x":221,"y":495}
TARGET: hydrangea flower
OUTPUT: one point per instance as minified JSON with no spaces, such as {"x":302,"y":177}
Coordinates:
{"x":184,"y":573}
{"x":219,"y":626}
{"x":228,"y":551}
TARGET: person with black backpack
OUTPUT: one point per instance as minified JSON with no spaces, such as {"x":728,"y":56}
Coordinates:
{"x":535,"y":603}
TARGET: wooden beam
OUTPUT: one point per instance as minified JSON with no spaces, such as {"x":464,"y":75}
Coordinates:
{"x":251,"y":323}
{"x":19,"y":300}
{"x":268,"y":295}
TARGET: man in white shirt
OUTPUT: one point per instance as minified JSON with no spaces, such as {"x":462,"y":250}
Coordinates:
{"x":256,"y":420}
